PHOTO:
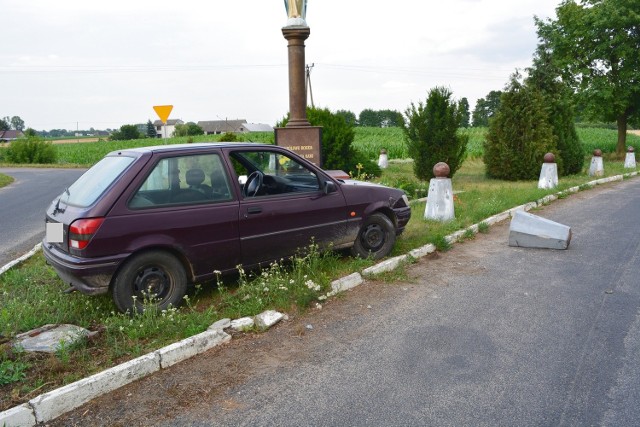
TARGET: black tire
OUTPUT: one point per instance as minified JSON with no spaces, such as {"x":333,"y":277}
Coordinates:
{"x":375,"y":238}
{"x":155,"y":277}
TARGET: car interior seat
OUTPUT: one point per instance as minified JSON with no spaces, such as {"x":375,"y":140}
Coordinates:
{"x":195,"y":180}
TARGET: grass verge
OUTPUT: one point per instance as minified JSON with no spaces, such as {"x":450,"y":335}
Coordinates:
{"x":5,"y":180}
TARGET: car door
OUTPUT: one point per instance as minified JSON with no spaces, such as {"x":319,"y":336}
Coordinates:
{"x":288,"y":210}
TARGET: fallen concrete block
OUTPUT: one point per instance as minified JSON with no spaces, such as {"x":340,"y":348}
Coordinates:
{"x":50,"y":338}
{"x":531,"y":231}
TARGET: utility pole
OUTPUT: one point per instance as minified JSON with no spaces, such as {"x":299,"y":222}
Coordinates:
{"x":309,"y":91}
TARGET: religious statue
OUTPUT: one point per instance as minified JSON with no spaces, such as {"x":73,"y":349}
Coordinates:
{"x":296,"y":12}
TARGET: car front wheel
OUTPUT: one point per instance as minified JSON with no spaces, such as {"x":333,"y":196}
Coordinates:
{"x":151,"y":279}
{"x":375,"y":238}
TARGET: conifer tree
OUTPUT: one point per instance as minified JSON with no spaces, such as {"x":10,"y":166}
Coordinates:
{"x":545,"y":77}
{"x":519,"y":135}
{"x":432,"y":135}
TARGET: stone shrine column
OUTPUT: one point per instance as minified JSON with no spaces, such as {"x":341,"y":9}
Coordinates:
{"x":296,"y":37}
{"x":298,"y":135}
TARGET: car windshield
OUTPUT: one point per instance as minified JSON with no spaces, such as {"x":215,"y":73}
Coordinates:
{"x":86,"y":190}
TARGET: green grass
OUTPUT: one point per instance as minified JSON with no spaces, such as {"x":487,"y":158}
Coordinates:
{"x":5,"y":180}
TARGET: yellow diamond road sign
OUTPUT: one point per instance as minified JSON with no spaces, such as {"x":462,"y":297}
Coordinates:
{"x":163,"y":112}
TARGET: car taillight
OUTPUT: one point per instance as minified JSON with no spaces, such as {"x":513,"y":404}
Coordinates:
{"x":81,"y":232}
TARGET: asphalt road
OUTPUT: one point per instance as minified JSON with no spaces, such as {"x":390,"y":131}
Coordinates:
{"x":23,"y":204}
{"x":482,"y":335}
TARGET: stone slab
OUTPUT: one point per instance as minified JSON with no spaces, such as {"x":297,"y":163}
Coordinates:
{"x":220,"y":325}
{"x":531,"y":231}
{"x":267,"y":319}
{"x":242,"y":324}
{"x":50,"y":338}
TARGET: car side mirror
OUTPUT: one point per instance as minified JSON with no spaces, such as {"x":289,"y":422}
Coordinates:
{"x":329,"y":187}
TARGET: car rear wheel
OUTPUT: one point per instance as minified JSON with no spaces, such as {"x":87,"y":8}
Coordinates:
{"x":151,"y":279}
{"x":375,"y":238}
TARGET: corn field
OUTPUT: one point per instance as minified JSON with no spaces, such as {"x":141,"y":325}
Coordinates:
{"x":367,"y":140}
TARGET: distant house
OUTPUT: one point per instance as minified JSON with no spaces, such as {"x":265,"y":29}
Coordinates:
{"x":166,"y":131}
{"x":10,"y":135}
{"x":258,"y":127}
{"x":215,"y":127}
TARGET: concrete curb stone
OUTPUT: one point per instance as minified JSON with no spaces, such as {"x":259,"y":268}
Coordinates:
{"x":18,"y":416}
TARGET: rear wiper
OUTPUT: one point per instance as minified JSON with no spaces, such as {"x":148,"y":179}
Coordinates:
{"x":57,"y":208}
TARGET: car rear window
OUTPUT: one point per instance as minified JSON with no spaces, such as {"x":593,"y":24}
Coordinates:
{"x":90,"y":186}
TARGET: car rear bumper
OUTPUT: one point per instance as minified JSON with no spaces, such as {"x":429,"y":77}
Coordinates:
{"x":90,"y":276}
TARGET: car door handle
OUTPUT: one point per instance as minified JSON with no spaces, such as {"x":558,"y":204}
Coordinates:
{"x":254,"y":210}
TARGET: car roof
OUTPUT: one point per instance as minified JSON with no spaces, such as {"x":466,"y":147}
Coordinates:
{"x":191,"y":147}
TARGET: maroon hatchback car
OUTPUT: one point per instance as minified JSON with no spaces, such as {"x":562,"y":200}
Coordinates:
{"x":147,"y":221}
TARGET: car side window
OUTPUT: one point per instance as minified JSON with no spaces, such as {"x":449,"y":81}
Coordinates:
{"x":184,"y":180}
{"x":274,"y":173}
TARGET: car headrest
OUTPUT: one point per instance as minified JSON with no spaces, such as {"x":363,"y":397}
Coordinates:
{"x":195,"y":176}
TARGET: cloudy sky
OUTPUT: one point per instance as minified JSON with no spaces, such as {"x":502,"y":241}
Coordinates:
{"x":82,"y":63}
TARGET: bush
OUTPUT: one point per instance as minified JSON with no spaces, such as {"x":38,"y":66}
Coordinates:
{"x":432,"y":134}
{"x":519,"y":135}
{"x":31,"y":149}
{"x":126,"y":133}
{"x":228,"y":137}
{"x":337,"y":140}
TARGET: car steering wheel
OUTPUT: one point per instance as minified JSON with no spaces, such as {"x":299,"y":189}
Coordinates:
{"x":253,"y":184}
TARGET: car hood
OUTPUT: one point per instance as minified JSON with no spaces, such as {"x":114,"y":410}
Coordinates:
{"x":361,"y":192}
{"x":362,"y":183}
